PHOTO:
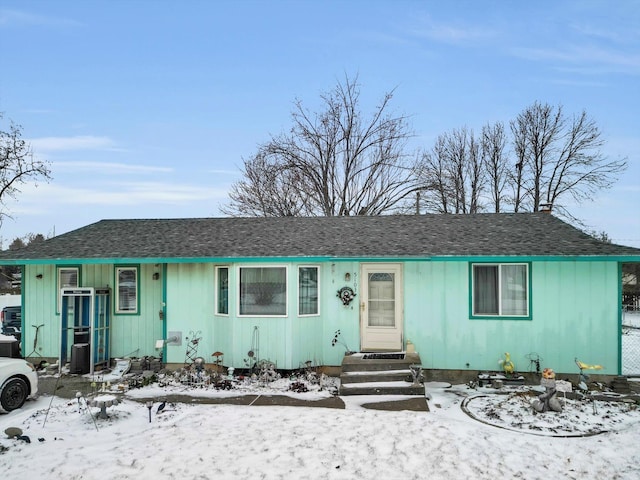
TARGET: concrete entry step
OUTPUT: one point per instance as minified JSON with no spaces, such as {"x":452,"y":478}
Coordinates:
{"x":402,"y":375}
{"x":377,"y":388}
{"x":387,"y":373}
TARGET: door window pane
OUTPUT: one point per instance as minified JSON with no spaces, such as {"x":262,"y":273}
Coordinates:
{"x":382,"y":302}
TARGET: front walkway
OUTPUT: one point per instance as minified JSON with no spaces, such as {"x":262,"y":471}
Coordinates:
{"x":67,"y":386}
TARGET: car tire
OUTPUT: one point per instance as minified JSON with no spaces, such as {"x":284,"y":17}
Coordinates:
{"x":13,"y":394}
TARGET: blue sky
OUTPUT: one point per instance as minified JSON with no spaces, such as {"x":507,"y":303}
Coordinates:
{"x":145,"y":109}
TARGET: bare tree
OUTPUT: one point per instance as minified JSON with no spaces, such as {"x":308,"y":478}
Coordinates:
{"x":517,"y":174}
{"x":580,"y":168}
{"x":457,"y":153}
{"x":558,"y":156}
{"x":433,"y":172}
{"x":17,"y":165}
{"x":553,"y":157}
{"x":537,"y":129}
{"x":266,"y":190}
{"x":476,"y":174}
{"x":332,"y":162}
{"x":495,"y":162}
{"x":452,"y":175}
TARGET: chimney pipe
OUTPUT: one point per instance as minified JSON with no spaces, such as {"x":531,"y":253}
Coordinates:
{"x":546,"y":207}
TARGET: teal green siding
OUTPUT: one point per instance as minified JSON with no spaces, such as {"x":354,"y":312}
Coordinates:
{"x":131,"y":335}
{"x":287,"y":341}
{"x":135,"y":335}
{"x":575,"y":308}
{"x":39,"y":308}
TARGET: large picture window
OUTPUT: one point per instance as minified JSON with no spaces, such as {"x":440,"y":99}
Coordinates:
{"x":500,"y":290}
{"x":308,"y":291}
{"x":222,"y":290}
{"x":263,"y":291}
{"x":127,"y":290}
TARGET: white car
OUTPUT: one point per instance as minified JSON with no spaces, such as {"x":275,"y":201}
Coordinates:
{"x":18,"y":381}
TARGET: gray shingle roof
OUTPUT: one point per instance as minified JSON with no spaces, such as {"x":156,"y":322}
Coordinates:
{"x":526,"y":234}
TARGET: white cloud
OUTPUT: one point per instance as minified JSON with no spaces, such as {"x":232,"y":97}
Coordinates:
{"x":451,"y":34}
{"x":50,"y":197}
{"x":13,"y":18}
{"x":81,"y":142}
{"x":577,"y":83}
{"x":112,"y":168}
{"x":58,"y":208}
{"x":589,"y":59}
{"x":622,"y":34}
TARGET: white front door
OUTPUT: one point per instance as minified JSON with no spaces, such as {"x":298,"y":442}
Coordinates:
{"x":381,"y":307}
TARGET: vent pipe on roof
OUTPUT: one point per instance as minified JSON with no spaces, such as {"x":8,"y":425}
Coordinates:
{"x":546,"y":207}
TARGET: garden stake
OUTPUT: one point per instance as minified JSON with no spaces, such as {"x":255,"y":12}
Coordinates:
{"x":51,"y":401}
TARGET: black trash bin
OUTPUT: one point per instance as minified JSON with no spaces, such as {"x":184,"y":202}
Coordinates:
{"x":10,"y":347}
{"x":80,"y":336}
{"x":79,"y":358}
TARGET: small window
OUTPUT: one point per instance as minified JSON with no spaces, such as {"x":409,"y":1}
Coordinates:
{"x":308,"y":291}
{"x":127,"y":290}
{"x":263,"y":291}
{"x":222,"y":290}
{"x":500,"y":290}
{"x":68,"y":277}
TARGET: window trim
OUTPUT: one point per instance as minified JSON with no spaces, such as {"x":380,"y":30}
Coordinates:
{"x":479,"y":316}
{"x":59,"y":269}
{"x":239,"y":290}
{"x":116,"y":297}
{"x":216,"y":287}
{"x":317,"y":313}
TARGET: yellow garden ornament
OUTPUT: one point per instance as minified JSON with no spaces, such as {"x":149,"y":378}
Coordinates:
{"x":586,"y":366}
{"x":507,"y":365}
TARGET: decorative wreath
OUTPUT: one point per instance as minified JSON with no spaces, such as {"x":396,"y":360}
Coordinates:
{"x":346,"y":294}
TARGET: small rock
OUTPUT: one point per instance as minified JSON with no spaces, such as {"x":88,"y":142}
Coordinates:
{"x":13,"y":432}
{"x":24,"y":438}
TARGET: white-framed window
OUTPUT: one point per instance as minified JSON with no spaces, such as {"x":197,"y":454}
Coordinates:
{"x":126,"y":290}
{"x":262,"y":291}
{"x":67,"y":277}
{"x":500,"y":289}
{"x":308,"y":291}
{"x":222,"y":290}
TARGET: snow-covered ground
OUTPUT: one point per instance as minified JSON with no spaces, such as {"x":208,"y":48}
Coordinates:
{"x":631,"y":319}
{"x":631,"y":343}
{"x":494,"y":436}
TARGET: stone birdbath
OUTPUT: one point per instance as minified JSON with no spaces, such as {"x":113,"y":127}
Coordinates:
{"x":103,"y":402}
